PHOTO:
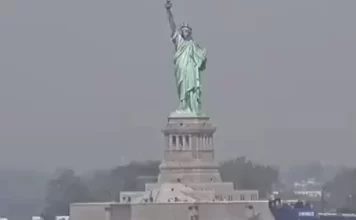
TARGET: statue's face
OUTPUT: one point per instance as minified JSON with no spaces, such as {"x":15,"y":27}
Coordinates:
{"x":186,"y":33}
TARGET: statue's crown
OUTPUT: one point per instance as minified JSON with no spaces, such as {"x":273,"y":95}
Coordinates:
{"x":185,"y":25}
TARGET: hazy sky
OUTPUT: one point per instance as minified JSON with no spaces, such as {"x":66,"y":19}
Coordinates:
{"x":89,"y":84}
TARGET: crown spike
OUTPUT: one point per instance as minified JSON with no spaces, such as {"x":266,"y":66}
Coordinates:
{"x":185,"y":25}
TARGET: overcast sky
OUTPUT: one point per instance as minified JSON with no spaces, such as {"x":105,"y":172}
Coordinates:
{"x":89,"y":84}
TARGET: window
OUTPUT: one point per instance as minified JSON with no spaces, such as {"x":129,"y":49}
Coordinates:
{"x":174,"y":141}
{"x":242,"y":197}
{"x":218,"y":197}
{"x":180,"y":141}
{"x":187,"y":140}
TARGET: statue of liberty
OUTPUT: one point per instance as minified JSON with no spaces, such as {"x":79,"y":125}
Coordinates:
{"x":189,"y":60}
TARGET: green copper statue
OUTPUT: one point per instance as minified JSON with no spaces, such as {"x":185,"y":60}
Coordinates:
{"x":189,"y":60}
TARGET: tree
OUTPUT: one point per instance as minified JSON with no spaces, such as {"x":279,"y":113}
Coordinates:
{"x":106,"y":185}
{"x":65,"y":188}
{"x":342,"y":189}
{"x":247,"y":175}
{"x":313,"y":169}
{"x":100,"y":185}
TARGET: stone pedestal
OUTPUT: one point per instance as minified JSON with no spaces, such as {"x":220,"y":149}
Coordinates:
{"x":189,"y":181}
{"x":188,"y":171}
{"x":189,"y":151}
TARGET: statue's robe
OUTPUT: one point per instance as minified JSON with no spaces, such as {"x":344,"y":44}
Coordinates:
{"x":189,"y":61}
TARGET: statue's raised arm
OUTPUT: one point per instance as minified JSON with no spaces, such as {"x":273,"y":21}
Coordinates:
{"x":172,"y":24}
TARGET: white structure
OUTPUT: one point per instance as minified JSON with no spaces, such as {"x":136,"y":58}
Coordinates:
{"x":189,"y":171}
{"x":313,"y":194}
{"x":62,"y":217}
{"x":189,"y":186}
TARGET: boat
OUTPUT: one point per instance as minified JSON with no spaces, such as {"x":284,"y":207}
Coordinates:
{"x":299,"y":210}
